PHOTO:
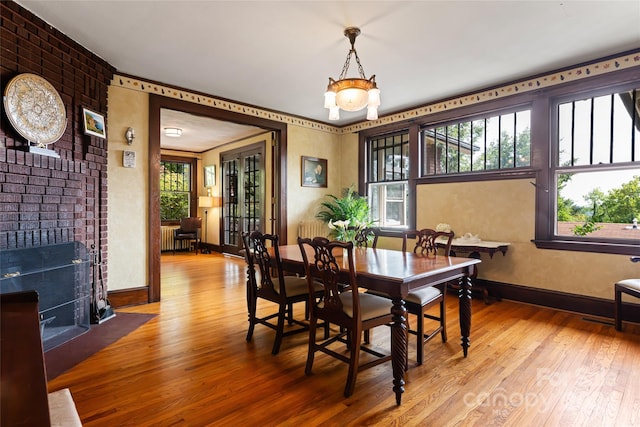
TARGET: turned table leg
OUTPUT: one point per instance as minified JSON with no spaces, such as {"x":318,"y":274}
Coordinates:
{"x":398,"y":347}
{"x":464,"y":294}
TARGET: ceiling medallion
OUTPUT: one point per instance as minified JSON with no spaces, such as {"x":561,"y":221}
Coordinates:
{"x":36,"y":111}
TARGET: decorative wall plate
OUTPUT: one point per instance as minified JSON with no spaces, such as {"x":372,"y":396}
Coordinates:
{"x":35,"y":109}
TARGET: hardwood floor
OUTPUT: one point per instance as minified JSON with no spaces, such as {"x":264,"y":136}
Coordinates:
{"x":191,"y":366}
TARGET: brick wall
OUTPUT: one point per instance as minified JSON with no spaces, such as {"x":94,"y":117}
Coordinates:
{"x":44,"y":200}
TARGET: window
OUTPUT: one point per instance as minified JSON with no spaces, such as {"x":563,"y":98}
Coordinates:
{"x":596,"y":174}
{"x":577,"y":142}
{"x":483,"y":144}
{"x":387,"y":179}
{"x":175,"y":190}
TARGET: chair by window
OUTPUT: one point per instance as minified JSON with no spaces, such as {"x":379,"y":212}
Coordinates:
{"x":629,"y":287}
{"x":367,"y":237}
{"x":420,"y":300}
{"x":189,"y":230}
{"x":272,"y":285}
{"x":343,"y":305}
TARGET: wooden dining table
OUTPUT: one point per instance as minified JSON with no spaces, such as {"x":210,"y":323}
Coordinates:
{"x":396,"y":273}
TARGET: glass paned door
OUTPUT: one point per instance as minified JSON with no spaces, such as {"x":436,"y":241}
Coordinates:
{"x":243,"y":196}
{"x":230,"y":208}
{"x":253,"y":209}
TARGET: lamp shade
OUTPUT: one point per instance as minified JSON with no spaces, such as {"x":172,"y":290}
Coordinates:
{"x":352,"y":99}
{"x":205,"y":202}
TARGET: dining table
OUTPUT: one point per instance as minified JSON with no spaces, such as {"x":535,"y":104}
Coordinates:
{"x":396,"y":273}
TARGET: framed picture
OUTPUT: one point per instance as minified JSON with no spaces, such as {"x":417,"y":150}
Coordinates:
{"x":94,"y":123}
{"x":314,"y":172}
{"x":210,"y":176}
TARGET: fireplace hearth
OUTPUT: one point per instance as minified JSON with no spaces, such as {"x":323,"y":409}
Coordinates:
{"x":60,"y":275}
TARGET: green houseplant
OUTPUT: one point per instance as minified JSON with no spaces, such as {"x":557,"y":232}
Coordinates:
{"x":345,"y":215}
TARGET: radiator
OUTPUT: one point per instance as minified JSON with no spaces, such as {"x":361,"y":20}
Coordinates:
{"x":312,"y":229}
{"x":166,"y":238}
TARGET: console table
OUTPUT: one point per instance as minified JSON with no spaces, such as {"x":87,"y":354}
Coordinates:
{"x":473,"y":248}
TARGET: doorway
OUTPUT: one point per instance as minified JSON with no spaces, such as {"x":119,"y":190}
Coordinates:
{"x":156,"y":103}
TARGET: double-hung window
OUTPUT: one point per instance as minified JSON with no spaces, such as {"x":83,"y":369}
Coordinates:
{"x":596,"y":166}
{"x":387,"y":179}
{"x":176,"y":187}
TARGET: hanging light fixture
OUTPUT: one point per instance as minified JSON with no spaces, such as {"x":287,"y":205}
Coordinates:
{"x":352,"y":94}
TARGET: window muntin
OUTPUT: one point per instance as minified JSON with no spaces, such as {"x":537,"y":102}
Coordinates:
{"x":487,"y":143}
{"x":387,"y":179}
{"x":175,"y":190}
{"x":596,"y":171}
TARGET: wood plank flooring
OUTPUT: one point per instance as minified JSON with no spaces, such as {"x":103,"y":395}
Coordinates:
{"x":191,"y":366}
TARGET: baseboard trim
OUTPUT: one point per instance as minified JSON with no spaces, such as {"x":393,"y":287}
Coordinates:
{"x":127,"y":297}
{"x":591,"y":306}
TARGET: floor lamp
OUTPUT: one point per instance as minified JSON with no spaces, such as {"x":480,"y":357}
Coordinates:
{"x":205,"y":202}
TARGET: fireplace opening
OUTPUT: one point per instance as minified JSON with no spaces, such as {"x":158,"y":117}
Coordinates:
{"x":61,"y":276}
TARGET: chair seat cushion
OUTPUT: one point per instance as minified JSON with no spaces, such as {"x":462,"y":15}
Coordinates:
{"x":186,"y":235}
{"x":297,"y":285}
{"x":371,"y":306}
{"x":424,"y":296}
{"x":632,"y":284}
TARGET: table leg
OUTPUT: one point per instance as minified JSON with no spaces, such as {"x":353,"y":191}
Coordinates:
{"x":398,"y":347}
{"x":464,"y":295}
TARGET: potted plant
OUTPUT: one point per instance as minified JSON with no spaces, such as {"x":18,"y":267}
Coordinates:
{"x":345,"y":215}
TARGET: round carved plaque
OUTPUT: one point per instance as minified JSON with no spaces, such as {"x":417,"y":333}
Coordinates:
{"x":35,"y":109}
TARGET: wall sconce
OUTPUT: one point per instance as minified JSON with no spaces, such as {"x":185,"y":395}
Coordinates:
{"x":130,"y":135}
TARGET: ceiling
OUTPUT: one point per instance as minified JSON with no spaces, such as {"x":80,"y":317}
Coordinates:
{"x":278,"y":55}
{"x":200,"y":134}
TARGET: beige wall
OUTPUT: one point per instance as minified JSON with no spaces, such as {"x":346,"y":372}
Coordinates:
{"x":127,"y":210}
{"x":496,"y":210}
{"x":303,"y":202}
{"x":505,"y":211}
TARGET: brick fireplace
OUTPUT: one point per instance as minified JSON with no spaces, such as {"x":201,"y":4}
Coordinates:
{"x":46,"y":200}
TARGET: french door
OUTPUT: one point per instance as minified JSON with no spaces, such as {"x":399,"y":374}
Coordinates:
{"x":243,"y":195}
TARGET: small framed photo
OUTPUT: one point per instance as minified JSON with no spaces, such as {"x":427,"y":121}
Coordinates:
{"x":314,"y":172}
{"x":93,"y":123}
{"x":210,"y":176}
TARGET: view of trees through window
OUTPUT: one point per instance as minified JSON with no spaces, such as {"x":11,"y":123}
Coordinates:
{"x":597,"y":183}
{"x":491,"y":143}
{"x":175,"y":190}
{"x":598,"y":206}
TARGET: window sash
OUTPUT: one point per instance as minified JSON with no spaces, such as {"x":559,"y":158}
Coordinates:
{"x":481,"y":144}
{"x":596,"y":141}
{"x":388,"y":202}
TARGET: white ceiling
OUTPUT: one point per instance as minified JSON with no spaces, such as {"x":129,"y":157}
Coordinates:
{"x":200,"y":134}
{"x":278,"y":55}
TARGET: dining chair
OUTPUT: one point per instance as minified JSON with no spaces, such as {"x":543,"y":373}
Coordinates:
{"x":274,"y":286}
{"x":189,"y":230}
{"x":367,"y":237}
{"x":420,"y":300}
{"x":626,"y":286}
{"x":342,"y":304}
